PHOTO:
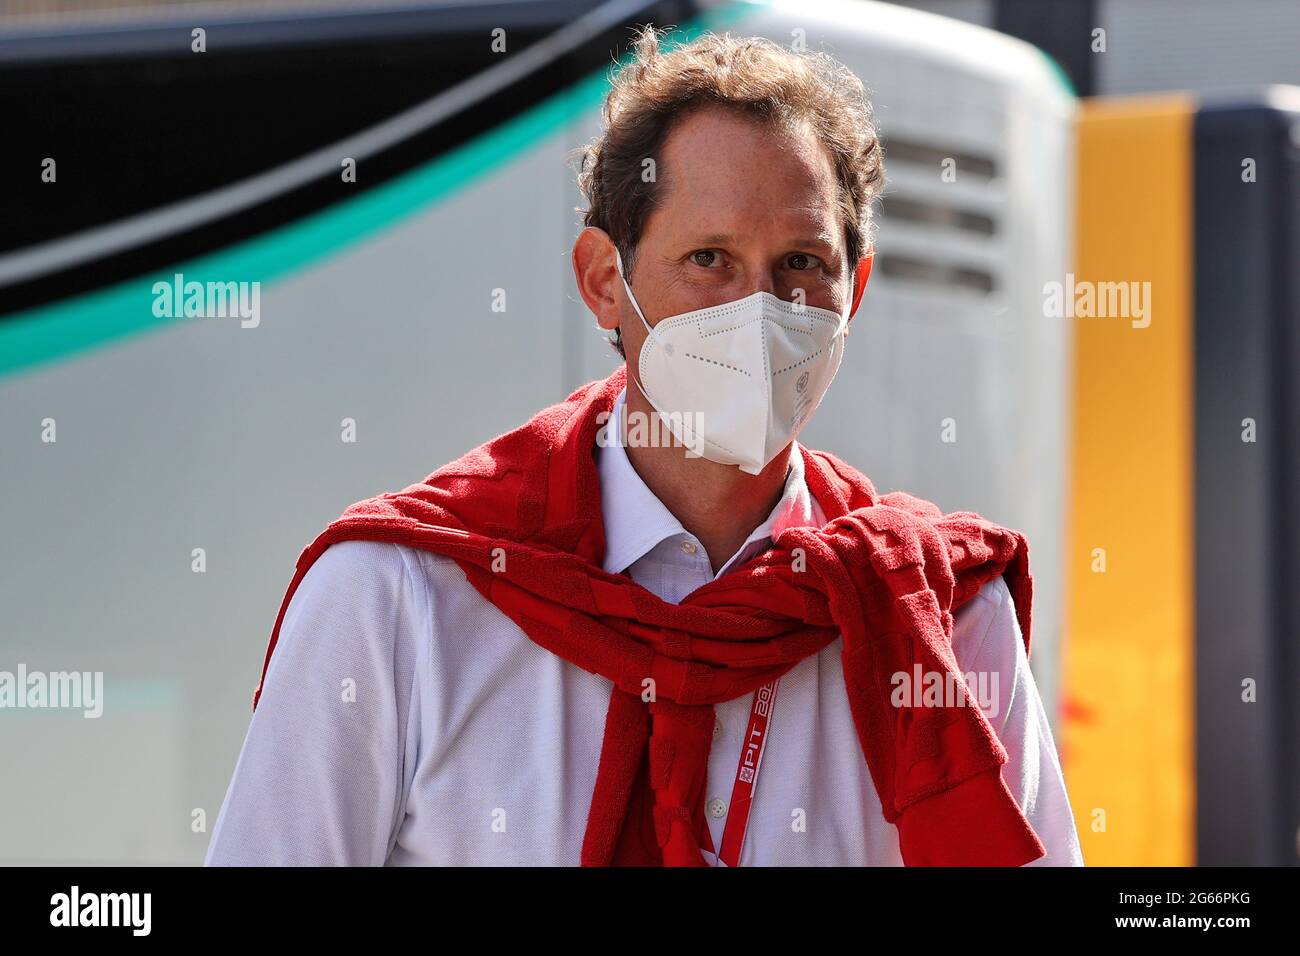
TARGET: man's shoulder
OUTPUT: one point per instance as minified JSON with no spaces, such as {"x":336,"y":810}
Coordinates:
{"x":359,"y":563}
{"x":381,"y":573}
{"x":986,"y":623}
{"x":993,"y":599}
{"x":995,"y":593}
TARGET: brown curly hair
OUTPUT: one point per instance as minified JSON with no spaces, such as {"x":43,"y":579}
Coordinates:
{"x":750,"y":74}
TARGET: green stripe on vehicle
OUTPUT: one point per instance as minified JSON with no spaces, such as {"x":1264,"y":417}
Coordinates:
{"x":66,"y":328}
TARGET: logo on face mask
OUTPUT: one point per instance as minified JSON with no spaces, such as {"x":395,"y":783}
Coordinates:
{"x":728,"y":368}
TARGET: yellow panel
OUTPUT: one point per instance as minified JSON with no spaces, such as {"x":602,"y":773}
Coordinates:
{"x":1128,"y":733}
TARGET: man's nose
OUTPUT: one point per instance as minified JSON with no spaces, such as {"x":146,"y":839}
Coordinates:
{"x":761,"y":280}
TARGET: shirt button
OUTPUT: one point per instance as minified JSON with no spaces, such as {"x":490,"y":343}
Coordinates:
{"x":717,"y":729}
{"x":717,"y":808}
{"x":689,"y":547}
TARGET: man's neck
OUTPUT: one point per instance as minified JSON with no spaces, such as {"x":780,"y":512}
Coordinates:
{"x":719,"y":504}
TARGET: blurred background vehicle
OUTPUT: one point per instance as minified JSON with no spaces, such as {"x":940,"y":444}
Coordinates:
{"x":389,"y":174}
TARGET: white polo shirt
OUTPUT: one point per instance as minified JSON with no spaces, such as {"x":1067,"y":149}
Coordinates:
{"x":405,"y":721}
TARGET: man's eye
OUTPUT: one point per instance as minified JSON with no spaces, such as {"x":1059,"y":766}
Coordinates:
{"x":704,"y":257}
{"x":800,"y":261}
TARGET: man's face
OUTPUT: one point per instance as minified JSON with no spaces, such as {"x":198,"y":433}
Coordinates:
{"x":741,"y":209}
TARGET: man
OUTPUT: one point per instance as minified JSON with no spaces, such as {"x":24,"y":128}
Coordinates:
{"x":648,"y":627}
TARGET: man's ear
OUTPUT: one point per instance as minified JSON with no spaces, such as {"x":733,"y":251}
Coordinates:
{"x":862,"y":274}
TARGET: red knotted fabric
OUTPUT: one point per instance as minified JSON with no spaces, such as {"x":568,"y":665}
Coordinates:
{"x":521,"y":516}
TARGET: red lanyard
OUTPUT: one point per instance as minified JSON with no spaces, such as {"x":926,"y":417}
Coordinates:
{"x":751,"y":758}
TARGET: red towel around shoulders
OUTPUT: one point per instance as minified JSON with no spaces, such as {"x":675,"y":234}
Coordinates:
{"x":521,"y":515}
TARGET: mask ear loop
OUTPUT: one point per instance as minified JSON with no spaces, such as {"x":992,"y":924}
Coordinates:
{"x":698,"y":449}
{"x":641,"y":315}
{"x":618,"y":258}
{"x":844,"y":317}
{"x":855,"y":297}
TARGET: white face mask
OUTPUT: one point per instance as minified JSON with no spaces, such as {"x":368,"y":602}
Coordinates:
{"x":736,"y":382}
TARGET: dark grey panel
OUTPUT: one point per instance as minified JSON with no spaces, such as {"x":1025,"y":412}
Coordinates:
{"x":1247,"y":538}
